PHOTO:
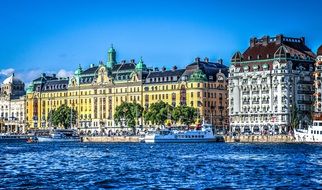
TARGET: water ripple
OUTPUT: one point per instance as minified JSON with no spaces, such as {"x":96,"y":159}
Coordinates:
{"x":160,"y":166}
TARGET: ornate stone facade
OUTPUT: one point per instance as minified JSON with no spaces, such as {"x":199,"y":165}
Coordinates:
{"x":12,"y":106}
{"x":96,"y":91}
{"x":266,"y":81}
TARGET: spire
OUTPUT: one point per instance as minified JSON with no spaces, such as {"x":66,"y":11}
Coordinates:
{"x":111,"y":57}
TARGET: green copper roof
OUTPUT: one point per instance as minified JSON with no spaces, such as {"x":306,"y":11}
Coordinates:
{"x":79,"y":70}
{"x":198,"y":76}
{"x":140,"y":65}
{"x":30,"y":88}
{"x":111,"y":50}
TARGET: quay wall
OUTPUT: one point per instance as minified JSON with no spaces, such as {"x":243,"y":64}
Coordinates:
{"x":260,"y":139}
{"x":228,"y":139}
{"x":113,"y":139}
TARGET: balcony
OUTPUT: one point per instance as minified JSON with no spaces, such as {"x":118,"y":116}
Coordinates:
{"x":246,"y":93}
{"x":255,"y":92}
{"x":265,"y":102}
{"x":255,"y":102}
{"x":304,"y":102}
{"x":246,"y":102}
{"x":265,"y":91}
{"x":305,"y":91}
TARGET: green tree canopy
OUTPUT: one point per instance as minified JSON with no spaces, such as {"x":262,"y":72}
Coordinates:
{"x":184,"y":114}
{"x":63,"y":116}
{"x":158,"y":113}
{"x":295,"y":121}
{"x":128,"y":113}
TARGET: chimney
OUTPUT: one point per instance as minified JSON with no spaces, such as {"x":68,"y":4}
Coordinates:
{"x":163,"y":68}
{"x":220,"y":61}
{"x":302,"y":40}
{"x":132,"y":60}
{"x":197,"y":59}
{"x":91,"y":65}
{"x":279,"y":39}
{"x":206,"y":59}
{"x":265,"y":40}
{"x":252,"y":42}
{"x":54,"y":75}
{"x":156,"y":69}
{"x":123,"y":61}
{"x":174,"y":68}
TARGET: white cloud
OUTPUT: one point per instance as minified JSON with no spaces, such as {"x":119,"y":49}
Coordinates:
{"x":7,"y":72}
{"x":64,"y":73}
{"x":28,"y":76}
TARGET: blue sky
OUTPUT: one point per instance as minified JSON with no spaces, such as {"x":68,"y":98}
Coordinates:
{"x":57,"y":36}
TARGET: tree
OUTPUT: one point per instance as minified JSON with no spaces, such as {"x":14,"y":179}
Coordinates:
{"x":158,"y":113}
{"x":294,"y":117}
{"x":63,"y":116}
{"x":128,"y":113}
{"x":185,"y":114}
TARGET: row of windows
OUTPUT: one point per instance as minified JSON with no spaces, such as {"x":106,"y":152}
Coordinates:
{"x":190,"y":136}
{"x":55,"y":87}
{"x":129,"y":89}
{"x":316,"y":132}
{"x":163,"y":79}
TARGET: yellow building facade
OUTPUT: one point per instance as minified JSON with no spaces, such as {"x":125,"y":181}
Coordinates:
{"x":96,"y":91}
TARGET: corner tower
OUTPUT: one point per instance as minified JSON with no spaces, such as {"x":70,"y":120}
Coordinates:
{"x":111,"y":57}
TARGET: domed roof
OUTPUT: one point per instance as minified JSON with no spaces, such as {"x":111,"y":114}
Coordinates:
{"x":319,"y":50}
{"x":140,"y":65}
{"x":12,"y":80}
{"x":79,"y":70}
{"x":198,"y":76}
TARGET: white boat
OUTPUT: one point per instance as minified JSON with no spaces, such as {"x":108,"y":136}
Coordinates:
{"x":205,"y":134}
{"x":7,"y":138}
{"x":59,"y":136}
{"x":312,"y":134}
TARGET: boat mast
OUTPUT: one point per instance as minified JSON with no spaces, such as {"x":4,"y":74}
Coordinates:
{"x":71,"y":117}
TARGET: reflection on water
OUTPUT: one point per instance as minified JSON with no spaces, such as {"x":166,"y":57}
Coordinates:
{"x":218,"y":165}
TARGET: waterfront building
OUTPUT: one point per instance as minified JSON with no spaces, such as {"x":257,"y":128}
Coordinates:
{"x":12,"y":105}
{"x":317,"y":84}
{"x":95,"y":92}
{"x":267,"y":80}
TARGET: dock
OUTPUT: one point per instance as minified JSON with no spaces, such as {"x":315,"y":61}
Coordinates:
{"x":260,"y":139}
{"x":227,"y":139}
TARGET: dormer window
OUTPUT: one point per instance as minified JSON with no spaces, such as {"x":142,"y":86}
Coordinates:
{"x":246,"y":68}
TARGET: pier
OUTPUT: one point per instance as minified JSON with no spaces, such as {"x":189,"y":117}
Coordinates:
{"x":260,"y":139}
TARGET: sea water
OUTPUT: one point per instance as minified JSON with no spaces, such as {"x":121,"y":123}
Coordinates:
{"x":160,"y":166}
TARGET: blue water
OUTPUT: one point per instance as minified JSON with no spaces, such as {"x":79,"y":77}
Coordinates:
{"x":142,"y":166}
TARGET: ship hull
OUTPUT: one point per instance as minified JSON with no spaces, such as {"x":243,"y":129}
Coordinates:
{"x":49,"y":139}
{"x":13,"y":138}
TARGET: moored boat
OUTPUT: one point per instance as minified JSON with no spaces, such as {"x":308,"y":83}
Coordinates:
{"x":204,"y":134}
{"x":60,"y":136}
{"x":312,"y":134}
{"x":8,"y":138}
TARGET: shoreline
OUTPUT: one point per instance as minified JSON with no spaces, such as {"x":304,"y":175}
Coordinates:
{"x":228,"y":139}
